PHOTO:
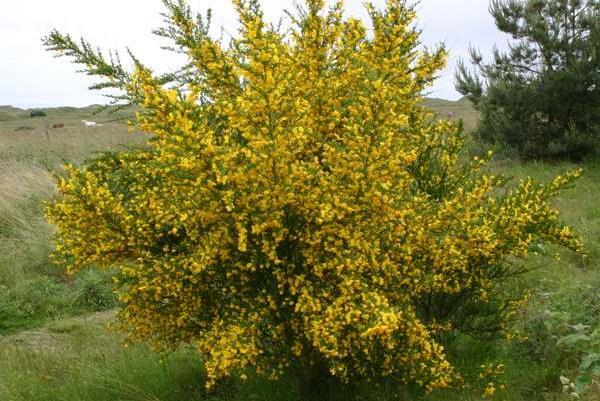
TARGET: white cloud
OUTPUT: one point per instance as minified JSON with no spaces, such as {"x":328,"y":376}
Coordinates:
{"x":29,"y":76}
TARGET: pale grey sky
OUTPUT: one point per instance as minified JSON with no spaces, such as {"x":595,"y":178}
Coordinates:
{"x":31,"y":77}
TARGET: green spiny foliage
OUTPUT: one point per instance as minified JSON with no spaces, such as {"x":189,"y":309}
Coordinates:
{"x":541,"y":96}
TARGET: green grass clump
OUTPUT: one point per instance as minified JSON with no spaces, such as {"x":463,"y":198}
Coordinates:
{"x":33,"y":289}
{"x":82,"y":361}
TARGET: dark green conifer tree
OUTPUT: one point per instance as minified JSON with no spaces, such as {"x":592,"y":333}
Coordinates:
{"x":540,"y":97}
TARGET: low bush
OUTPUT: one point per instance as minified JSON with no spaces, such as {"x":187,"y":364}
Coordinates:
{"x":37,"y":113}
{"x":24,"y":128}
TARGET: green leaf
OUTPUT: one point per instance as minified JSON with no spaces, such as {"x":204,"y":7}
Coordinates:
{"x":573,"y":339}
{"x":582,"y":381}
{"x":589,"y":360}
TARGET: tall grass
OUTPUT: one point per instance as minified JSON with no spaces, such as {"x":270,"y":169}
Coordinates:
{"x":82,"y":361}
{"x":32,"y":289}
{"x":23,"y":230}
{"x":71,"y":144}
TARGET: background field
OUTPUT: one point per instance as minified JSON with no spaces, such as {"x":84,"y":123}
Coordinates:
{"x":32,"y":290}
{"x":54,"y":344}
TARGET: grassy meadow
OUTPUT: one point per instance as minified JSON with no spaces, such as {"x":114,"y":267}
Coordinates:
{"x":54,"y":340}
{"x":32,"y":290}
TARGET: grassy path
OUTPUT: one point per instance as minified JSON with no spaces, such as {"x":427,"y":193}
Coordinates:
{"x":79,"y":359}
{"x":52,"y":334}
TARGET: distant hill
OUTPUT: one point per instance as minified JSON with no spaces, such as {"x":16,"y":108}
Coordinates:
{"x":8,"y":113}
{"x":10,"y":109}
{"x":459,"y":109}
{"x":11,"y":113}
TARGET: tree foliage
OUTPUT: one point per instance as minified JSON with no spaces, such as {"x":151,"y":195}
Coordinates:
{"x":542,"y":95}
{"x":297,"y":208}
{"x":37,"y":113}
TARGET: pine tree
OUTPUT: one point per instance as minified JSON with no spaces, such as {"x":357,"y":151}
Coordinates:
{"x":541,"y":97}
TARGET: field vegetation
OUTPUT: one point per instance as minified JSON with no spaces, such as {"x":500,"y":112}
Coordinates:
{"x":33,"y":290}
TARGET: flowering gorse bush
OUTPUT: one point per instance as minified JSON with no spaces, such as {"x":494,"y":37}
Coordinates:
{"x":297,"y":207}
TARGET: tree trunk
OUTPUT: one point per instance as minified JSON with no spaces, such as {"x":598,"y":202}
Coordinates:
{"x":313,"y":379}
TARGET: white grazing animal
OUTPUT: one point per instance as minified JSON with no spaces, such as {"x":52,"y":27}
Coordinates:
{"x":89,"y":123}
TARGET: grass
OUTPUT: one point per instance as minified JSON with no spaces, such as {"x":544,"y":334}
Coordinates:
{"x":80,"y":360}
{"x":32,"y":141}
{"x":461,"y":109}
{"x":32,"y":289}
{"x":564,"y":285}
{"x":54,"y":344}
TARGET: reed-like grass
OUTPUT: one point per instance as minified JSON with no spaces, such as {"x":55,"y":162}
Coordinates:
{"x":32,"y":289}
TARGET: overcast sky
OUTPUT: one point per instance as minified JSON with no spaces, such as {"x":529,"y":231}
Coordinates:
{"x":31,"y":77}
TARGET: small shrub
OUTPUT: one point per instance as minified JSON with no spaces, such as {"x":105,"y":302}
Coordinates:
{"x":24,"y":128}
{"x":37,"y":113}
{"x":94,"y":291}
{"x":564,"y":332}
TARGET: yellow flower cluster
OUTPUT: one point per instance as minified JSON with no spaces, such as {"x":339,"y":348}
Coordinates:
{"x":297,"y":203}
{"x":490,"y":373}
